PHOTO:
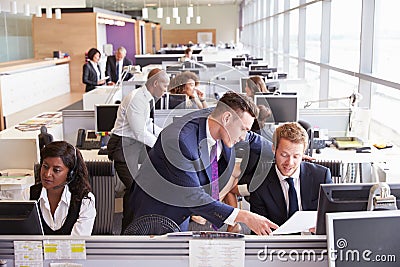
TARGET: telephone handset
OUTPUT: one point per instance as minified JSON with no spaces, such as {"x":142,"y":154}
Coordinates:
{"x":88,"y":139}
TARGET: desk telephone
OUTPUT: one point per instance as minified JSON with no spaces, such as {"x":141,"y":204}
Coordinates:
{"x":88,"y":140}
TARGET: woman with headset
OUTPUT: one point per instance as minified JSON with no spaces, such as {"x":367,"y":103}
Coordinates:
{"x":66,"y":205}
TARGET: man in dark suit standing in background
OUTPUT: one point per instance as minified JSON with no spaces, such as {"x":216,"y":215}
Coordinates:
{"x":291,"y":184}
{"x":192,"y":159}
{"x":115,"y":65}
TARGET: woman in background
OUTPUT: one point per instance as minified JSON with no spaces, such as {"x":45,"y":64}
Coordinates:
{"x":91,"y":70}
{"x":66,"y":205}
{"x":254,"y":85}
{"x":186,"y":83}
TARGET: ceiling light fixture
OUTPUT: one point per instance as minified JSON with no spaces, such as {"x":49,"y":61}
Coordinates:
{"x":178,"y":20}
{"x":159,"y":10}
{"x":168,"y":18}
{"x":27,"y":10}
{"x":57,"y":13}
{"x":49,"y":13}
{"x":145,"y":11}
{"x":13,"y":7}
{"x":190,"y":10}
{"x":198,"y":18}
{"x":38,"y":12}
{"x":175,"y":11}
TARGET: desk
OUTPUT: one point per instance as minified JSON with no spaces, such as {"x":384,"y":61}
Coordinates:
{"x":20,"y":149}
{"x":102,"y":251}
{"x":101,"y":95}
{"x":347,"y":157}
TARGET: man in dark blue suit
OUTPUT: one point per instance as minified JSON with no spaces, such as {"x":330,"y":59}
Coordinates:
{"x":175,"y":179}
{"x":272,"y":198}
{"x":115,"y":66}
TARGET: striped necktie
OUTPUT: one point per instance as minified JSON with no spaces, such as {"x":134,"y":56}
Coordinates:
{"x":214,"y":172}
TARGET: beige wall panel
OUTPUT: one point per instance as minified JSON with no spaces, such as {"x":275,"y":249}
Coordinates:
{"x":184,"y":36}
{"x":75,"y":33}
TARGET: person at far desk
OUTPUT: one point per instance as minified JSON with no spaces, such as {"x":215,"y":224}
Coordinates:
{"x":188,"y":56}
{"x":186,"y":83}
{"x":91,"y":70}
{"x":134,"y":130}
{"x":115,"y":65}
{"x":66,"y":205}
{"x":291,"y":183}
{"x":192,"y":159}
{"x":260,"y":125}
{"x":255,"y":84}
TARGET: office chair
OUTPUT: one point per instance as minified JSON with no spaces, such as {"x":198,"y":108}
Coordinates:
{"x":310,"y":132}
{"x":151,"y":224}
{"x":44,"y":137}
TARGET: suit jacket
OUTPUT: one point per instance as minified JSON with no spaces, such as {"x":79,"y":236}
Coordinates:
{"x":89,"y":76}
{"x":111,"y":68}
{"x":268,"y":199}
{"x":174,"y":179}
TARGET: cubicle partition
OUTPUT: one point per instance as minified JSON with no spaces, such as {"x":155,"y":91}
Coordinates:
{"x":73,"y":120}
{"x":301,"y":251}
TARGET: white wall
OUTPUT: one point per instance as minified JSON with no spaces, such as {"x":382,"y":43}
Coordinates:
{"x":223,"y":18}
{"x":5,"y":4}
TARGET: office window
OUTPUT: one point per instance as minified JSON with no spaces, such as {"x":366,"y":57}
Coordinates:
{"x":311,"y":89}
{"x":313,"y":32}
{"x":385,"y":101}
{"x":293,"y":68}
{"x":341,"y":86}
{"x":280,"y":33}
{"x":387,"y":40}
{"x":15,"y":37}
{"x":294,"y":33}
{"x":294,"y":3}
{"x":345,"y":34}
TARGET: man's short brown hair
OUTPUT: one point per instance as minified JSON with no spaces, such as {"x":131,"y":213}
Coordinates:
{"x":291,"y":131}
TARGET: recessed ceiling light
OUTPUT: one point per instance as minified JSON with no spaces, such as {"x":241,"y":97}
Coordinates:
{"x":208,"y":4}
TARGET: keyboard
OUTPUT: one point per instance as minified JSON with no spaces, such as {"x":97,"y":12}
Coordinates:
{"x":102,"y":151}
{"x":88,"y":145}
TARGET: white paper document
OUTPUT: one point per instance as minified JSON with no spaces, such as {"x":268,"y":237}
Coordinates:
{"x":216,"y":253}
{"x":300,"y":222}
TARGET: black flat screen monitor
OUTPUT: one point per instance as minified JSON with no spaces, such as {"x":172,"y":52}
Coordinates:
{"x":284,"y":108}
{"x":105,"y":116}
{"x":20,"y":218}
{"x":260,"y":72}
{"x":237,"y":61}
{"x":258,"y":67}
{"x":345,"y":197}
{"x":176,"y":101}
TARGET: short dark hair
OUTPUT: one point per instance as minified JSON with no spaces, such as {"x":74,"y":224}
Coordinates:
{"x":238,"y":103}
{"x":92,"y":52}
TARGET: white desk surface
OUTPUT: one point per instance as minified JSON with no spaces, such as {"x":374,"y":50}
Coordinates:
{"x":92,"y":155}
{"x":350,"y":156}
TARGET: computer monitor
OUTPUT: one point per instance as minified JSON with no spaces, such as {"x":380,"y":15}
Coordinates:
{"x":237,"y":61}
{"x":176,"y":101}
{"x":258,"y":67}
{"x":284,"y":108}
{"x":105,"y":116}
{"x":345,"y":197}
{"x":260,"y":72}
{"x":20,"y":218}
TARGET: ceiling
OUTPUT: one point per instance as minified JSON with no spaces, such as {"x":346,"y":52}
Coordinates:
{"x":121,"y":5}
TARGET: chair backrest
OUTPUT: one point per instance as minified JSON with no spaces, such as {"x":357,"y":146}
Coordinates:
{"x":103,"y":181}
{"x":310,"y":132}
{"x":44,"y":137}
{"x":151,"y":224}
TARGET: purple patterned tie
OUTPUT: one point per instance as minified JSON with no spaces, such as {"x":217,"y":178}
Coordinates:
{"x":214,"y":176}
{"x":214,"y":173}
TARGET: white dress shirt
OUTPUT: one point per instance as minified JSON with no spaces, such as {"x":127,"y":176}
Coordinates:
{"x":96,"y":68}
{"x":285,"y":185}
{"x":87,"y":213}
{"x":133,"y":118}
{"x":120,"y":67}
{"x":210,"y":142}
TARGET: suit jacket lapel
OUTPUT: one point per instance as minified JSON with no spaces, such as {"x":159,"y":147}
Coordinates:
{"x":275,"y":189}
{"x":306,"y":187}
{"x":203,"y":147}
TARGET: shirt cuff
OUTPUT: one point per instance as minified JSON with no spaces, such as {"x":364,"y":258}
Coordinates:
{"x":231,"y":219}
{"x":243,"y":191}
